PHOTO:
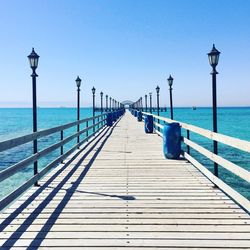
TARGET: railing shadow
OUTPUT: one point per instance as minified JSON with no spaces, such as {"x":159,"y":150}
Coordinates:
{"x":54,"y":215}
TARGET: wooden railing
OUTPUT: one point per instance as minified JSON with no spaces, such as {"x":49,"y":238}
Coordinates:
{"x":226,"y":164}
{"x":96,"y":124}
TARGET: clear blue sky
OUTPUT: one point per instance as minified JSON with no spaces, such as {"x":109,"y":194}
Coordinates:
{"x":124,"y":48}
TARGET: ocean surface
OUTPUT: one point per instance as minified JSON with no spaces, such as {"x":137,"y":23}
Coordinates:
{"x":18,"y":121}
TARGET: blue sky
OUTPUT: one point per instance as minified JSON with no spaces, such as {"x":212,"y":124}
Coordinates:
{"x":124,"y":48}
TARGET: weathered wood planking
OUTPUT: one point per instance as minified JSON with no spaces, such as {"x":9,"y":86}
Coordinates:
{"x":119,"y":192}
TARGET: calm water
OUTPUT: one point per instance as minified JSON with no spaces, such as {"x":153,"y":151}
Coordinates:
{"x":18,"y":121}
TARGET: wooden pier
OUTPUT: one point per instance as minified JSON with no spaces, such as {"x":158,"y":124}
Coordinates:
{"x":117,"y":191}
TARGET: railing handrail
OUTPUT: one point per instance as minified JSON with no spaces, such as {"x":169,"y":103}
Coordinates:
{"x":14,"y":142}
{"x":225,"y":139}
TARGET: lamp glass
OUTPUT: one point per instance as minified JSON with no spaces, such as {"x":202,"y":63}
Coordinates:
{"x":78,"y":82}
{"x":157,"y":89}
{"x":213,"y":57}
{"x":33,"y":58}
{"x":170,"y":81}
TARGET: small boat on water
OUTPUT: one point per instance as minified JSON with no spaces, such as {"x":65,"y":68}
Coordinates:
{"x":194,"y":107}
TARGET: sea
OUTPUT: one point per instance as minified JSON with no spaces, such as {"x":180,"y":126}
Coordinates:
{"x":14,"y":122}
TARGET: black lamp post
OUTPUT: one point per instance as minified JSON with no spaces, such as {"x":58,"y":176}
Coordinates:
{"x":107,"y":102}
{"x":33,"y":59}
{"x":146,"y":103}
{"x":170,"y":83}
{"x":78,"y":85}
{"x":158,"y":107}
{"x":158,"y":103}
{"x":101,"y":94}
{"x":110,"y":99}
{"x":93,"y":92}
{"x":150,"y":102}
{"x":213,"y":57}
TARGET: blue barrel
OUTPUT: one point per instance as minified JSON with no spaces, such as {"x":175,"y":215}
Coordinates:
{"x":139,"y":116}
{"x":135,"y":113}
{"x":114,"y":116}
{"x":109,"y":119}
{"x":148,"y":124}
{"x":172,"y":140}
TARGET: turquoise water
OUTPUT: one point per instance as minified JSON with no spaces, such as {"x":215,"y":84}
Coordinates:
{"x":18,"y":121}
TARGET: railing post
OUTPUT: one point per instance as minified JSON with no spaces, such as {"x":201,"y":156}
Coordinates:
{"x":61,"y":133}
{"x":87,"y":131}
{"x":93,"y":92}
{"x":188,"y":137}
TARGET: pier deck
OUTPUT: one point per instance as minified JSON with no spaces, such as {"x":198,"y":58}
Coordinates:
{"x":119,"y":192}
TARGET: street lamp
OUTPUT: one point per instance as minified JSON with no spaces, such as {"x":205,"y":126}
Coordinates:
{"x":170,"y":83}
{"x":107,"y":102}
{"x":150,"y":102}
{"x":101,"y":94}
{"x":110,"y":99}
{"x":93,"y":92}
{"x":78,"y":85}
{"x":33,"y":59}
{"x":213,"y":57}
{"x":146,"y":103}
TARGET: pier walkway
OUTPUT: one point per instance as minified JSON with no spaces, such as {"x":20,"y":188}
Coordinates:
{"x":117,"y":191}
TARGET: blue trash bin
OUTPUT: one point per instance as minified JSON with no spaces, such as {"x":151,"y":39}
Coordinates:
{"x":109,"y":119}
{"x":172,"y":140}
{"x":149,"y":124}
{"x":139,"y":116}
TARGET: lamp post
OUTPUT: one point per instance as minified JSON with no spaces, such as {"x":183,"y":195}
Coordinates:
{"x":101,"y":94}
{"x":33,"y":59}
{"x":107,"y":102}
{"x":110,"y":99}
{"x":93,"y":92}
{"x":213,"y":57}
{"x":158,"y":104}
{"x":170,"y":83}
{"x":158,"y":107}
{"x":150,"y":102}
{"x":78,"y":85}
{"x":146,"y":103}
